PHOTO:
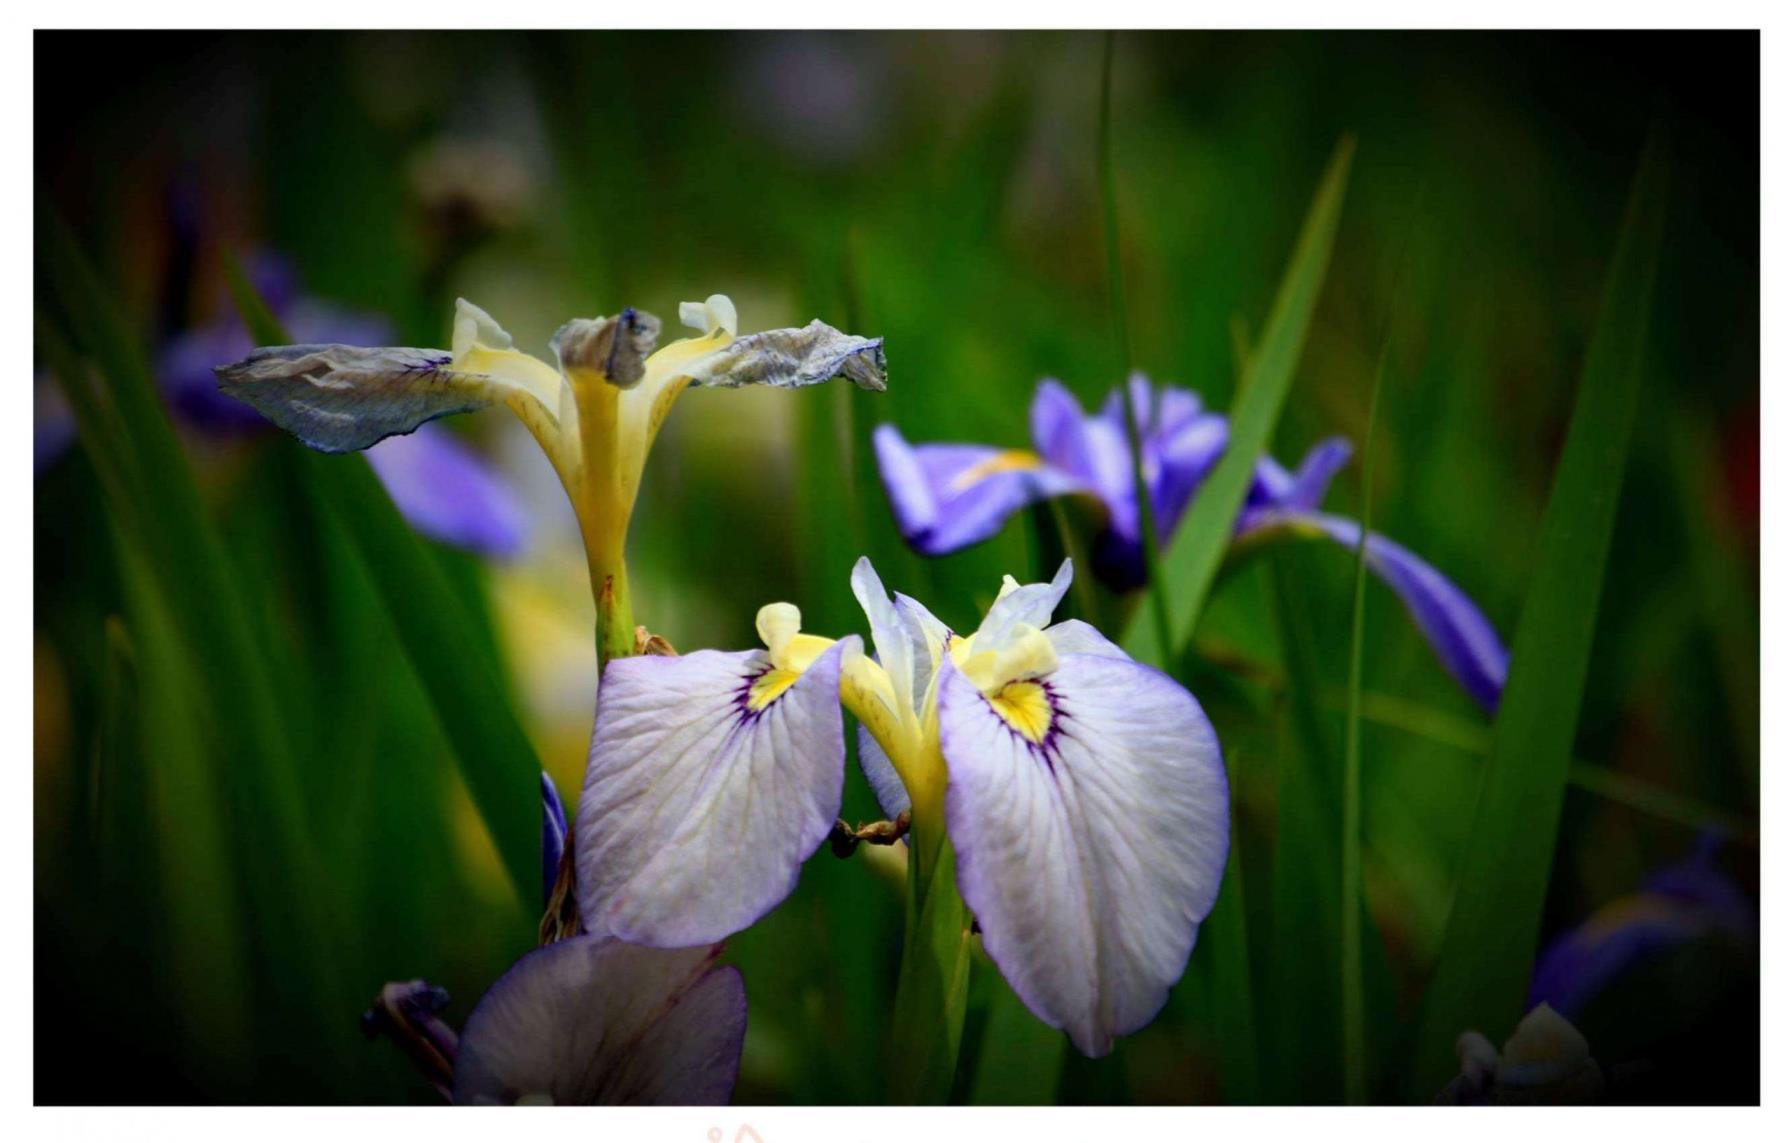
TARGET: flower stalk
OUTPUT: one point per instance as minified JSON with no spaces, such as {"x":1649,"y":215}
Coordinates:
{"x":935,"y":974}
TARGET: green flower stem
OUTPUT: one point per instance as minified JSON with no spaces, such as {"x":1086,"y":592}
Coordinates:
{"x":615,"y":615}
{"x":936,"y":966}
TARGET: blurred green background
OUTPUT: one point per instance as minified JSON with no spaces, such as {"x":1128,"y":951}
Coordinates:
{"x":938,"y":190}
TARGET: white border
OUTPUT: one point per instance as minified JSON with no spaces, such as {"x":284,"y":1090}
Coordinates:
{"x":872,"y":1125}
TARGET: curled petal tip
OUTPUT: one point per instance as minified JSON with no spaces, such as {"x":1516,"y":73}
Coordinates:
{"x":614,"y":348}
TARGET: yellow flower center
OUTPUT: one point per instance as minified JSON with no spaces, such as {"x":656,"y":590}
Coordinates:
{"x":1025,"y":707}
{"x":767,"y":687}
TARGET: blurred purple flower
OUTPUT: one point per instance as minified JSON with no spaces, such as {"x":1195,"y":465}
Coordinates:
{"x":444,"y":488}
{"x":1688,"y":901}
{"x":948,"y":496}
{"x":581,"y":1021}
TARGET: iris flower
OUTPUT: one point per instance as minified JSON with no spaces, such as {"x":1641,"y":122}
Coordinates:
{"x":949,"y":496}
{"x":581,"y":1021}
{"x":1685,"y":903}
{"x":594,"y":412}
{"x":441,"y":485}
{"x":1082,"y":793}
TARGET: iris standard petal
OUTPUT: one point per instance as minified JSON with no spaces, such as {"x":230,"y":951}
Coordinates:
{"x":1314,"y":477}
{"x":589,"y":1020}
{"x":449,"y":493}
{"x":949,"y":496}
{"x":1091,"y":851}
{"x":1018,"y":605}
{"x":1184,"y":458}
{"x":1465,"y":642}
{"x":901,"y":645}
{"x":1057,"y":423}
{"x":712,"y":777}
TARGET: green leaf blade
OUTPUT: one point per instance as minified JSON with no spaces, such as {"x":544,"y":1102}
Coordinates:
{"x":1490,"y":941}
{"x":1199,"y":543}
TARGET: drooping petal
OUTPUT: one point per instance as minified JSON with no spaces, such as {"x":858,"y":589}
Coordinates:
{"x":449,"y":493}
{"x":1090,"y":847}
{"x":1465,"y":642}
{"x":341,"y":398}
{"x":712,"y":777}
{"x":595,"y":1021}
{"x":948,"y":496}
{"x":185,"y":366}
{"x":553,"y":835}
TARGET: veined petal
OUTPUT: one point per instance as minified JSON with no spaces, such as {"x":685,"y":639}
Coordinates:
{"x":595,"y":1021}
{"x":449,"y":493}
{"x":791,"y":358}
{"x":712,"y":777}
{"x":343,"y":398}
{"x":1465,"y":642}
{"x":948,"y":496}
{"x":1091,"y":845}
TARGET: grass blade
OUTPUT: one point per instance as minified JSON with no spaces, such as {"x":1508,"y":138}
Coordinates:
{"x":1491,"y":937}
{"x":441,"y":639}
{"x":1149,"y":536}
{"x":1200,"y":542}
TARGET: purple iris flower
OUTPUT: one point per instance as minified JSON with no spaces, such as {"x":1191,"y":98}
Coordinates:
{"x":582,"y":1021}
{"x":1083,"y":793}
{"x":1689,"y":901}
{"x":442,"y":486}
{"x":949,"y":496}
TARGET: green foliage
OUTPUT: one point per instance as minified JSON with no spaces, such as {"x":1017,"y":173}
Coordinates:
{"x":1200,"y":543}
{"x":1484,"y":967}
